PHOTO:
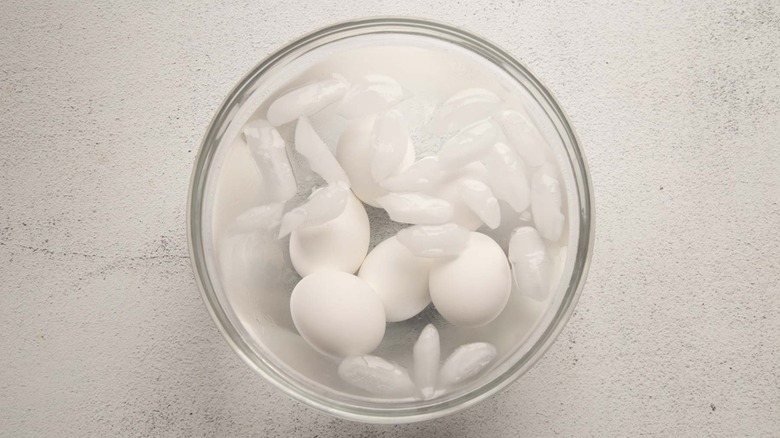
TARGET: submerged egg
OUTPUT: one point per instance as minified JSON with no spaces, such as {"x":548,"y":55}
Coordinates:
{"x":338,"y":314}
{"x":340,"y":244}
{"x":471,"y":290}
{"x":399,"y":278}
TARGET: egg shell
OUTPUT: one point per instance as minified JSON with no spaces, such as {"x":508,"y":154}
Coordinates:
{"x":340,"y":244}
{"x":399,"y":278}
{"x":471,"y":290}
{"x":354,"y":154}
{"x":338,"y":314}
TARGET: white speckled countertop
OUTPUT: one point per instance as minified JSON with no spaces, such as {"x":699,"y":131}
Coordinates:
{"x":103,"y":330}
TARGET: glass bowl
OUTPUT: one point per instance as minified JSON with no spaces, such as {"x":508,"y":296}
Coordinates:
{"x":278,"y":354}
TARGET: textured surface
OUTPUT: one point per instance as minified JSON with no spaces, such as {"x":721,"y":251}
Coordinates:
{"x":103,"y":330}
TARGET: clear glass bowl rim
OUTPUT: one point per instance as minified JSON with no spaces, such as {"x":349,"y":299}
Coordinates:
{"x":404,"y":25}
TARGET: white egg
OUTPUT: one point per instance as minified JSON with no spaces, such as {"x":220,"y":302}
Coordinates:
{"x":471,"y":290}
{"x":338,"y":314}
{"x":399,"y":278}
{"x":340,"y":244}
{"x":354,"y":154}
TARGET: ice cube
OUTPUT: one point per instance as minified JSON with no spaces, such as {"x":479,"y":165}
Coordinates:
{"x":509,"y":222}
{"x":530,"y":265}
{"x":322,"y":206}
{"x":420,"y":176}
{"x":479,"y":198}
{"x":309,"y":144}
{"x":546,"y":203}
{"x":389,"y":144}
{"x":373,"y":94}
{"x":448,"y":190}
{"x":465,"y":362}
{"x":270,"y":154}
{"x":426,"y":352}
{"x":263,"y":217}
{"x":414,"y":208}
{"x":557,"y":261}
{"x":433,"y":241}
{"x":507,"y":175}
{"x":377,"y":376}
{"x":526,"y":217}
{"x":306,"y":100}
{"x":464,"y":108}
{"x":523,"y":135}
{"x":469,"y":144}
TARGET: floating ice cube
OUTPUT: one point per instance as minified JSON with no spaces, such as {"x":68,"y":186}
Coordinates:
{"x":509,"y":222}
{"x":469,"y":144}
{"x":320,"y":159}
{"x":432,"y":241}
{"x":507,"y":177}
{"x":447,"y":189}
{"x":546,"y":203}
{"x":557,"y":261}
{"x":389,"y":144}
{"x":426,"y":352}
{"x":478,"y":196}
{"x":530,"y":265}
{"x":354,"y":154}
{"x":306,"y":100}
{"x":464,"y":108}
{"x":420,"y":176}
{"x":414,"y":208}
{"x":322,"y":206}
{"x":465,"y":362}
{"x":373,"y":94}
{"x":263,"y":217}
{"x":270,"y":154}
{"x":377,"y":376}
{"x":526,"y":217}
{"x":523,"y":135}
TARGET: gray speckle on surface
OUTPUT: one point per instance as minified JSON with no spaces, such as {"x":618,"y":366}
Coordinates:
{"x":102,"y":107}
